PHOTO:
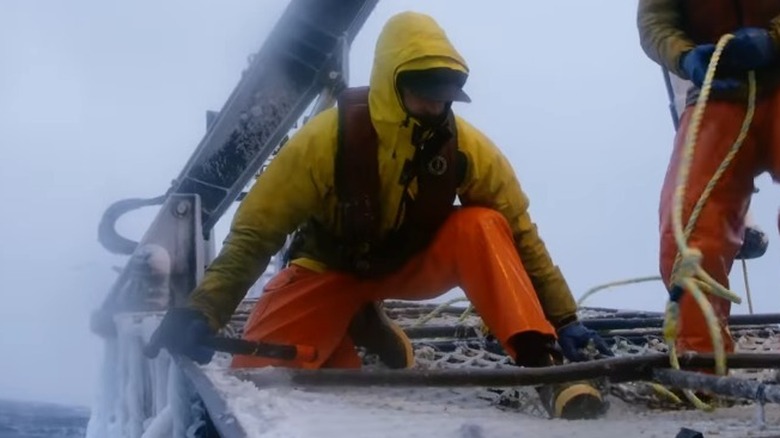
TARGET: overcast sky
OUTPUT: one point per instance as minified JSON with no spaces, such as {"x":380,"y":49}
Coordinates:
{"x":106,"y":100}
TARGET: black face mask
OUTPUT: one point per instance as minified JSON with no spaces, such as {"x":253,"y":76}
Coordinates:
{"x":428,"y":140}
{"x":433,"y":122}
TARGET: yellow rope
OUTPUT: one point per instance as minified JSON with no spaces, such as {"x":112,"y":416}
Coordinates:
{"x":433,"y":313}
{"x":688,"y":273}
{"x":601,"y":287}
{"x":463,"y":316}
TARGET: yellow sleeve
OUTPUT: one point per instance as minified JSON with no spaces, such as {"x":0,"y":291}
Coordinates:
{"x":286,"y":193}
{"x":661,"y":34}
{"x":774,"y":31}
{"x":490,"y":181}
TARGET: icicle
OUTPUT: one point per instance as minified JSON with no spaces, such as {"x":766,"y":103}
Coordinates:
{"x":102,"y":419}
{"x":134,"y":395}
{"x":179,"y":402}
{"x":161,"y":426}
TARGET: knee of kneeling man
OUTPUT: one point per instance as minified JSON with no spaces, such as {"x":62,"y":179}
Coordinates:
{"x":477,"y":215}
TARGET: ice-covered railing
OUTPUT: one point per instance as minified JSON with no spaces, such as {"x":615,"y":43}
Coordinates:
{"x":140,"y":397}
{"x":302,"y":65}
{"x":148,"y":398}
{"x":174,"y":412}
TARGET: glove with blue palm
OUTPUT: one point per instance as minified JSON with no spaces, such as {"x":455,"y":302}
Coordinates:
{"x":573,"y":337}
{"x":695,"y":62}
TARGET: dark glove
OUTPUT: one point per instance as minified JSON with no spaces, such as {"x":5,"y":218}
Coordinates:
{"x":754,"y":244}
{"x":750,"y":49}
{"x":575,"y":336}
{"x":695,"y":62}
{"x":182,"y":332}
{"x":101,"y":322}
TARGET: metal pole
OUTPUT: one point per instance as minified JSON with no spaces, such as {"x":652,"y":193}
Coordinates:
{"x":235,"y":346}
{"x":600,"y":324}
{"x":619,"y":369}
{"x":619,"y":323}
{"x":224,"y":421}
{"x":726,"y":386}
{"x":670,"y":94}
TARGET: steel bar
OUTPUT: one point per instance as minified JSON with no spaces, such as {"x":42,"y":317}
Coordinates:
{"x":492,"y":346}
{"x":441,"y":331}
{"x":721,"y":385}
{"x":757,"y":331}
{"x":282,"y":80}
{"x":629,"y":323}
{"x":225,"y":422}
{"x":422,"y":310}
{"x":622,"y":312}
{"x":447,"y":346}
{"x":464,"y":332}
{"x":601,"y":324}
{"x":671,"y":96}
{"x":262,"y":349}
{"x":619,"y":369}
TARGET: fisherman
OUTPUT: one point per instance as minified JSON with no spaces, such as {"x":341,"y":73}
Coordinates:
{"x":369,"y":189}
{"x":680,"y":35}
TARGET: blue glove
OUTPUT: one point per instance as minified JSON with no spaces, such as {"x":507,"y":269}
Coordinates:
{"x":182,"y":332}
{"x":575,"y":336}
{"x":751,"y":48}
{"x":695,"y":62}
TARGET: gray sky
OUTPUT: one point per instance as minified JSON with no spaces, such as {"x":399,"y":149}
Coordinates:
{"x":105,"y":100}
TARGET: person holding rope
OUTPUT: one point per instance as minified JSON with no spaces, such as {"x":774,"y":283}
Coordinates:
{"x":370,"y":188}
{"x":681,"y":35}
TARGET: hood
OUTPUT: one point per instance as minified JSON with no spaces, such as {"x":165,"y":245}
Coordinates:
{"x":408,"y":41}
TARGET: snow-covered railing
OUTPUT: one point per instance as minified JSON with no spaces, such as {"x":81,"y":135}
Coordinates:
{"x":141,"y":397}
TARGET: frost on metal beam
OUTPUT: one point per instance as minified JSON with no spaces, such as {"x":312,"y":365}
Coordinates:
{"x":281,"y":81}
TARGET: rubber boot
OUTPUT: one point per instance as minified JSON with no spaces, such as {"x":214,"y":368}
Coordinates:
{"x":373,"y":330}
{"x":570,"y":400}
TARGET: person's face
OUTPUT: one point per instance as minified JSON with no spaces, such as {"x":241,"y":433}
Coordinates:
{"x":425,"y":110}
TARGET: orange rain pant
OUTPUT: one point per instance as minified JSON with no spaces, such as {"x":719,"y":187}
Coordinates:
{"x":720,"y":227}
{"x":474,"y":249}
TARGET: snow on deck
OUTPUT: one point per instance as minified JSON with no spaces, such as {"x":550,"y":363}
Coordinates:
{"x":457,"y":412}
{"x":144,"y":398}
{"x":466,"y":412}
